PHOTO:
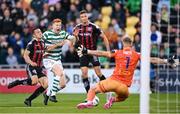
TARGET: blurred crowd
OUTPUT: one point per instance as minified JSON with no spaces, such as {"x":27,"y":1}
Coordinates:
{"x":117,"y":18}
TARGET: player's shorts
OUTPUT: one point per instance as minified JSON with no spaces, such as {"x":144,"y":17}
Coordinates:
{"x":34,"y":71}
{"x":49,"y":63}
{"x":111,"y":85}
{"x":86,"y":59}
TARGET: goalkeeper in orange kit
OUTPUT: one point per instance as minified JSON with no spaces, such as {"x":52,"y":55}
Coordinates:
{"x":125,"y":64}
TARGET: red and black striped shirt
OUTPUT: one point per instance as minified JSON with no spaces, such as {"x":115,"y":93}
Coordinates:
{"x":88,"y":35}
{"x":36,"y":48}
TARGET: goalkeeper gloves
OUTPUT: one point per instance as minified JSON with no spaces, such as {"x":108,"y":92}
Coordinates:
{"x":82,"y":51}
{"x":172,"y":62}
{"x":77,"y":44}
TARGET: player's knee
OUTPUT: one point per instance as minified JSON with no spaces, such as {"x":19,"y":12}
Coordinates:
{"x":63,"y":86}
{"x":44,"y":82}
{"x":34,"y":80}
{"x":58,"y":73}
{"x":99,"y":74}
{"x":57,"y":70}
{"x":44,"y":85}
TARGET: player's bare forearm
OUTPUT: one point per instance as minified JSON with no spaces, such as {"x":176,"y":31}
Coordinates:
{"x":106,"y":42}
{"x":54,"y":46}
{"x":156,"y":60}
{"x":26,"y":57}
{"x":100,"y":53}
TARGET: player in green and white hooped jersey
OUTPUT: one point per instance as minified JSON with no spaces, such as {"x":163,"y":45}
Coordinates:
{"x":54,"y":40}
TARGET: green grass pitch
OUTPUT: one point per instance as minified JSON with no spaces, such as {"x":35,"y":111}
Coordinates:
{"x":13,"y":103}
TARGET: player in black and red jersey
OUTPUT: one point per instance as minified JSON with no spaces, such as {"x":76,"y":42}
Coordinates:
{"x":33,"y":56}
{"x":88,"y":34}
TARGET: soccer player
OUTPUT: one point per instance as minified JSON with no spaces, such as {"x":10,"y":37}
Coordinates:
{"x":54,"y":40}
{"x":88,"y":34}
{"x":125,"y":61}
{"x":33,"y":57}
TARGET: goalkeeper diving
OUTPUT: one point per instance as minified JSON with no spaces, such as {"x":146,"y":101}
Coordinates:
{"x":125,"y":63}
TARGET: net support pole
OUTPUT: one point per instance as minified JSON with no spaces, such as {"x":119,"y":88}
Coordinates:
{"x":145,"y":56}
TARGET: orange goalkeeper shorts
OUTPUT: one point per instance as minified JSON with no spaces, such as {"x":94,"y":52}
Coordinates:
{"x":111,"y":85}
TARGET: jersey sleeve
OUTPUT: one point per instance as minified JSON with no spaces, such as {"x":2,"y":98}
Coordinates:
{"x":64,"y":34}
{"x":30,"y":46}
{"x":97,"y":30}
{"x":45,"y":36}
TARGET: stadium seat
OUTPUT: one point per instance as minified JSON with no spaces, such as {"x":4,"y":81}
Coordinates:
{"x":106,"y":10}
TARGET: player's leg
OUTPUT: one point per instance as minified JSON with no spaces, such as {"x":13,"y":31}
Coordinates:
{"x":98,"y":88}
{"x":53,"y":87}
{"x":85,"y":79}
{"x":59,"y":81}
{"x":35,"y":94}
{"x":84,"y":62}
{"x":59,"y":78}
{"x":121,"y":91}
{"x":98,"y":72}
{"x":104,"y":86}
{"x":42,"y":79}
{"x":97,"y":69}
{"x":50,"y":76}
{"x":31,"y":80}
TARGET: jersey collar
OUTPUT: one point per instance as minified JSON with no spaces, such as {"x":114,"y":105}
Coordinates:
{"x":127,"y":48}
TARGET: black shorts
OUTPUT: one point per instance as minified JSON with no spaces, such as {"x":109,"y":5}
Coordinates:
{"x":32,"y":71}
{"x":86,"y":59}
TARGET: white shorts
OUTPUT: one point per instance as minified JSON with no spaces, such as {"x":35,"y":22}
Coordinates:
{"x":49,"y":63}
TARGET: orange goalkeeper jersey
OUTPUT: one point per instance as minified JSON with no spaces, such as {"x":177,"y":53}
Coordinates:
{"x":125,"y":61}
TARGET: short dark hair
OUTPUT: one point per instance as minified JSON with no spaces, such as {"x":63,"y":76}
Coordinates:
{"x":127,"y":40}
{"x":33,"y":30}
{"x":83,"y":11}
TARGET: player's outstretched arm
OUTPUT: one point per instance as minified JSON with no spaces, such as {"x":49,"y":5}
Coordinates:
{"x":82,"y":51}
{"x":100,"y":53}
{"x":170,"y":61}
{"x":156,"y":60}
{"x":54,"y":46}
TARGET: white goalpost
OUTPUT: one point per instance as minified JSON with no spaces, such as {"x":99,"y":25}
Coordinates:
{"x":145,"y":56}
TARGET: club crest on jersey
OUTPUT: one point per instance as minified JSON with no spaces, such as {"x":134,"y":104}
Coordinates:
{"x":127,"y":52}
{"x":34,"y":71}
{"x":89,"y":28}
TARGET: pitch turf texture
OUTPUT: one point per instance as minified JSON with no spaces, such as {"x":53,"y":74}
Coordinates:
{"x":13,"y":103}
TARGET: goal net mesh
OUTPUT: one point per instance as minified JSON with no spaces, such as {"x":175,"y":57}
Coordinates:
{"x":165,"y":41}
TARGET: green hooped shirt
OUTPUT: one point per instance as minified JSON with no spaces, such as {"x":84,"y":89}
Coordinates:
{"x":51,"y":38}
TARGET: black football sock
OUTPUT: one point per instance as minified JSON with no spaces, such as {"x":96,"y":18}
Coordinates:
{"x":36,"y":93}
{"x":102,"y":77}
{"x":86,"y":84}
{"x":25,"y":82}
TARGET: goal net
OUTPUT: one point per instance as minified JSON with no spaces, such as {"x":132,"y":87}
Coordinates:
{"x":165,"y":42}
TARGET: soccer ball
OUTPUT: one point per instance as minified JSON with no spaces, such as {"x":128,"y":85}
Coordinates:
{"x":95,"y":101}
